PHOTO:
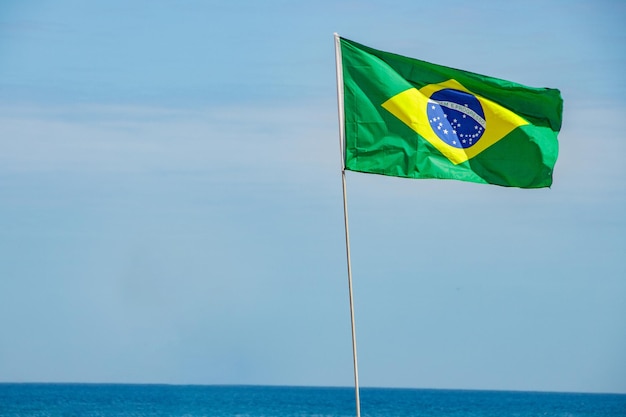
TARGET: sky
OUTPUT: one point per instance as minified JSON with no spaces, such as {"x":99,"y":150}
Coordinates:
{"x":171,"y":205}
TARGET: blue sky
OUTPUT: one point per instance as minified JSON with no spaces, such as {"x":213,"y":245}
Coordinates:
{"x":170,"y":201}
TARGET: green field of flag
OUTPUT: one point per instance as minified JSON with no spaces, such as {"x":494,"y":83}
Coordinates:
{"x":409,"y":118}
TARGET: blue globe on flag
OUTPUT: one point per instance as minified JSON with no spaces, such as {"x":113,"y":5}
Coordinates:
{"x":456,"y":117}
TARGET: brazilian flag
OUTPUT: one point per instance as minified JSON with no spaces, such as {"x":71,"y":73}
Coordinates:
{"x":408,"y":118}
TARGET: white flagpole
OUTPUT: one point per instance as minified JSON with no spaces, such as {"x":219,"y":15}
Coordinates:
{"x":345,"y":213}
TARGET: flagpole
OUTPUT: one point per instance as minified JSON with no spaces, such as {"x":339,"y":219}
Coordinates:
{"x":345,"y":215}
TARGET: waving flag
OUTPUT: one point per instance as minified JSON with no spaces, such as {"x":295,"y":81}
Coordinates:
{"x":409,"y":118}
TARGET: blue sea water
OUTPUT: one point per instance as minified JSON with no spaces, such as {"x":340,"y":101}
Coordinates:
{"x":104,"y":400}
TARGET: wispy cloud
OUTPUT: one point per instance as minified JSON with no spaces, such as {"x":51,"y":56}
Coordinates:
{"x":233,"y":141}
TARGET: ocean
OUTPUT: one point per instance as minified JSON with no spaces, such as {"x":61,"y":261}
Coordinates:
{"x":104,"y":400}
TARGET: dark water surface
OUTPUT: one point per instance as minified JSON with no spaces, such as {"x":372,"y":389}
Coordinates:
{"x":263,"y":401}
